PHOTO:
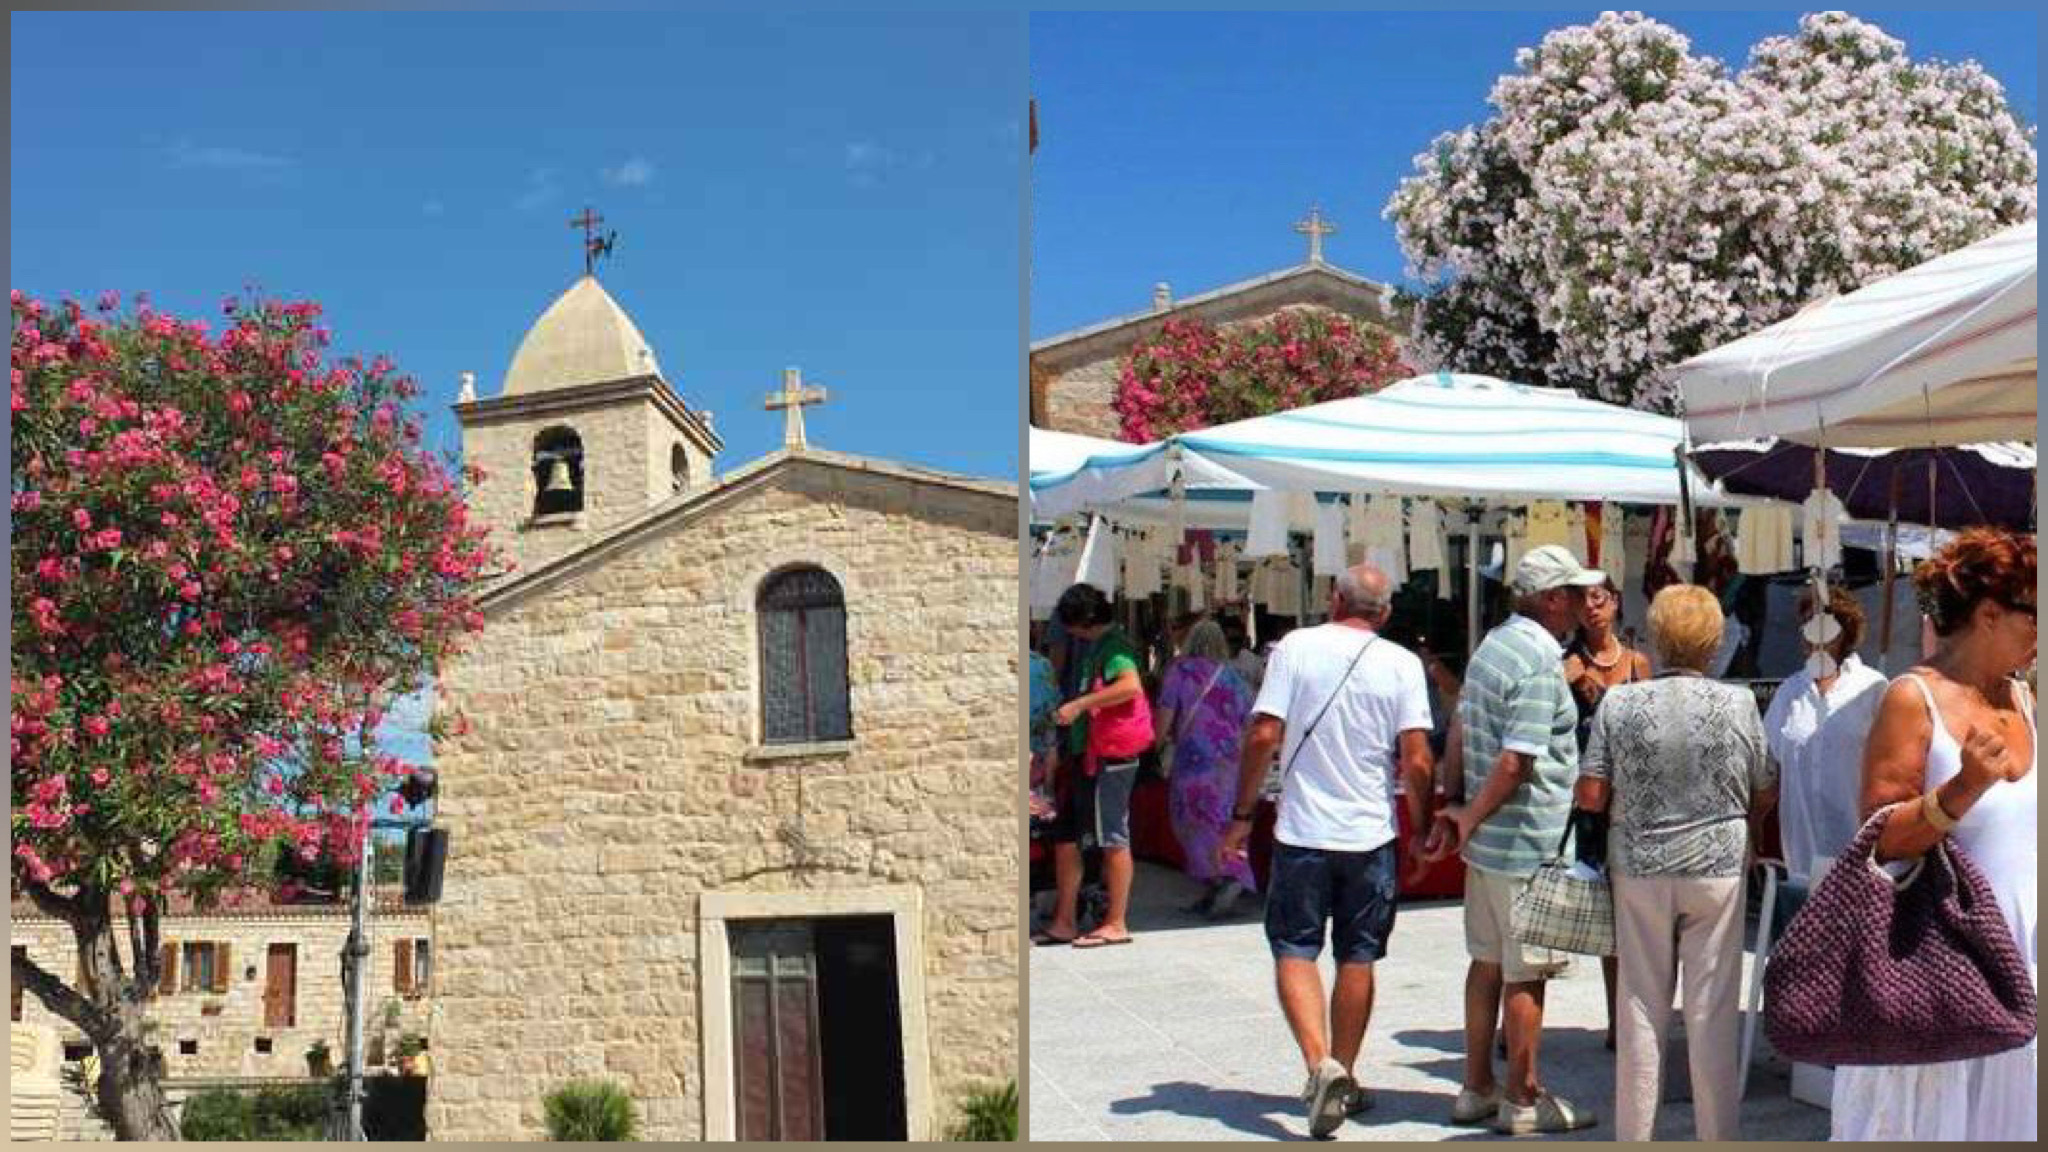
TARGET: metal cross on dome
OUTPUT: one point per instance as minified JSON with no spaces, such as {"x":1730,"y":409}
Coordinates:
{"x":794,"y":396}
{"x":1315,"y":228}
{"x":593,"y":244}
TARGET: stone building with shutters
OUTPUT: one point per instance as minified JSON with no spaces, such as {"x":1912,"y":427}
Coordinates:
{"x":1074,"y":373}
{"x":248,"y":987}
{"x":732,"y":790}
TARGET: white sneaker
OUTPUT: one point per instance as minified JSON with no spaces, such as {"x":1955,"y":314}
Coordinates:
{"x":1328,"y":1096}
{"x":1475,"y":1107}
{"x":1548,"y":1114}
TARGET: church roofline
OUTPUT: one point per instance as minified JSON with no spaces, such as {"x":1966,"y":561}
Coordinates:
{"x":1383,"y":293}
{"x":722,"y":493}
{"x":527,"y":404}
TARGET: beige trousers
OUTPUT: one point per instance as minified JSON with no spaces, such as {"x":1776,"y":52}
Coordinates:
{"x":1668,"y":928}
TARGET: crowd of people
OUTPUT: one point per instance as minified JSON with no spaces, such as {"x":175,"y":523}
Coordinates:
{"x":1562,"y":738}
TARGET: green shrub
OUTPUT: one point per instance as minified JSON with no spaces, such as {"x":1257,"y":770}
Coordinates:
{"x":988,"y":1114}
{"x":218,"y":1114}
{"x":590,"y":1110}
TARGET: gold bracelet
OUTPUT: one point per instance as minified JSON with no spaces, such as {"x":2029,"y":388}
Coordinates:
{"x":1935,"y":815}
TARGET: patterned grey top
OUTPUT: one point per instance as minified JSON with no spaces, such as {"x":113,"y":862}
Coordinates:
{"x":1683,"y":754}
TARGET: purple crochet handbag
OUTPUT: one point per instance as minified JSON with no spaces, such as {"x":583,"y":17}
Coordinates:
{"x":1912,"y":971}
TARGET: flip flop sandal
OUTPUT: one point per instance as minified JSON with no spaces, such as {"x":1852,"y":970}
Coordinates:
{"x":1091,"y":940}
{"x":1047,"y":939}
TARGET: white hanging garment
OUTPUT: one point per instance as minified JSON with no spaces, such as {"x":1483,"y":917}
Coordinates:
{"x":1356,"y":525}
{"x":1099,"y":557}
{"x":1284,"y":592}
{"x":1635,"y":545}
{"x":1329,"y":540}
{"x":1319,"y":592}
{"x":1427,"y":547}
{"x":1225,"y":564}
{"x":1614,"y":544}
{"x":1763,"y":540}
{"x":1549,"y":522}
{"x":1141,"y":570}
{"x":1515,"y":540}
{"x":1823,"y":532}
{"x":1053,"y":571}
{"x":1386,"y":545}
{"x":1682,"y":550}
{"x":1575,"y":532}
{"x":1267,"y":533}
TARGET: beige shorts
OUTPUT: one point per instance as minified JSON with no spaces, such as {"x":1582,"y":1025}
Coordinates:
{"x":1488,"y":936}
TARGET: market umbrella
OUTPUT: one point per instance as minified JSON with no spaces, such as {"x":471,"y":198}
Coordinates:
{"x":1940,"y":354}
{"x":1968,"y":485}
{"x":1071,"y":473}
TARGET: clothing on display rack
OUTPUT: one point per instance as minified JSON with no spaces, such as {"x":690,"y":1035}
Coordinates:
{"x":1386,"y":545}
{"x":1635,"y":543}
{"x":1099,"y":558}
{"x":1141,"y":569}
{"x":1225,"y":566}
{"x":1267,"y":532}
{"x":1550,"y":522}
{"x":1576,"y":538}
{"x":1328,"y":552}
{"x":1427,"y":547}
{"x":1763,"y":540}
{"x":1514,"y":531}
{"x":1614,"y":543}
{"x":1822,"y":535}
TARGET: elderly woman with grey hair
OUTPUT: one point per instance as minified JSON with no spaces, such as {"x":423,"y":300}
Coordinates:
{"x":1202,"y":707}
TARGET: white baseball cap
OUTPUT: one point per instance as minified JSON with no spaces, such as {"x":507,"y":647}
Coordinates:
{"x":1553,"y":566}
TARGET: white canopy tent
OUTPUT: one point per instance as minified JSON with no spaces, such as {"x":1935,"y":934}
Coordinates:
{"x":1449,"y":436}
{"x":1940,"y":354}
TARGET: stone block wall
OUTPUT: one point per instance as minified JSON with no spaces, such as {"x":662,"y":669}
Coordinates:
{"x":610,"y":777}
{"x":626,"y":452}
{"x":226,"y":1026}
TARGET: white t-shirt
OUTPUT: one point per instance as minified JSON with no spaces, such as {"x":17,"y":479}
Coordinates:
{"x":1818,"y":744}
{"x":1339,"y":790}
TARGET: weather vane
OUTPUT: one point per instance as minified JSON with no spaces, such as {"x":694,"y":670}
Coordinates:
{"x":593,"y":244}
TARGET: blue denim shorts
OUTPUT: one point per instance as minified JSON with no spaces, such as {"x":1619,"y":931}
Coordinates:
{"x":1353,"y":892}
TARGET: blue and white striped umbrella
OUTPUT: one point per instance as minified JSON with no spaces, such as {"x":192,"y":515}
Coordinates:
{"x":1454,"y":435}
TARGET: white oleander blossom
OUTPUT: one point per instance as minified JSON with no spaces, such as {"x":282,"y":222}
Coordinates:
{"x":1631,"y":204}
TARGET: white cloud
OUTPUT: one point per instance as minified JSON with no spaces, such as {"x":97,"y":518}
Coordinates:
{"x":541,"y":190}
{"x":636,"y":172}
{"x":186,"y":154}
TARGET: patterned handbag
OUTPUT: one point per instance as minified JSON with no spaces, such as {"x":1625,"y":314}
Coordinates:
{"x":1918,"y":970}
{"x":1560,"y":911}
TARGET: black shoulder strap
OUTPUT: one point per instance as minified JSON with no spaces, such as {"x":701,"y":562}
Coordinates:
{"x":1334,"y":693}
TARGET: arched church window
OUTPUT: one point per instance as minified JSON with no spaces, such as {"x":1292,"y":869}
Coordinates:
{"x":804,"y":696}
{"x":557,"y":472}
{"x":678,"y":467}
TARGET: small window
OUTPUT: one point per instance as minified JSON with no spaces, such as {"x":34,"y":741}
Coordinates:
{"x":678,"y":468}
{"x":263,"y":1045}
{"x":188,"y":1047}
{"x":77,"y":1050}
{"x":804,"y":695}
{"x":557,"y":472}
{"x":411,"y":968}
{"x":205,"y":965}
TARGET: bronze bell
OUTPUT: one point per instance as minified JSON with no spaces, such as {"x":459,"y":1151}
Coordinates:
{"x":558,"y":477}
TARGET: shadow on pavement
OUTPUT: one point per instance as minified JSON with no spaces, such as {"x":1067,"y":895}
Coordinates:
{"x":1258,"y":1114}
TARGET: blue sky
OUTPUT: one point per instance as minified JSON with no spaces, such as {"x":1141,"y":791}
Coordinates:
{"x":1185,"y":147}
{"x":843,"y":194}
{"x":837,"y":193}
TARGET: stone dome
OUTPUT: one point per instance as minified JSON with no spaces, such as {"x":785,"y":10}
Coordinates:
{"x":584,"y":337}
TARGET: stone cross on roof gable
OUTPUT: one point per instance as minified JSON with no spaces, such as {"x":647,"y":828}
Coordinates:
{"x":792,"y":399}
{"x":1315,"y":228}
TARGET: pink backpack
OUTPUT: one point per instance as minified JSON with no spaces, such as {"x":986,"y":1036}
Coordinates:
{"x":1119,"y":731}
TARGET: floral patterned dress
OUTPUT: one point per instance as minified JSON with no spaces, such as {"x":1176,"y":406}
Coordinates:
{"x":1207,"y":729}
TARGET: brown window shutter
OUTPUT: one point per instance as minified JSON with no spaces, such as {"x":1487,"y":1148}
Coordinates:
{"x":220,"y":967}
{"x":167,"y":975}
{"x":401,"y":967}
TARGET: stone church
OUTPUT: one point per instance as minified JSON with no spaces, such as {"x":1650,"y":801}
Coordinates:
{"x":734,"y":800}
{"x":1074,"y":374}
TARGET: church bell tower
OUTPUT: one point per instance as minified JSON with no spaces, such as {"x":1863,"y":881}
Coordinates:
{"x":585,"y":432}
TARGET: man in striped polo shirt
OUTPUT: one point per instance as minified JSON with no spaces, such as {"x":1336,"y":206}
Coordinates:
{"x":1520,"y":757}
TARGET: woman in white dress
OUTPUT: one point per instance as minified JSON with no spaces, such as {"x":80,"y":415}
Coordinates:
{"x":1816,"y":726}
{"x":1953,"y":745}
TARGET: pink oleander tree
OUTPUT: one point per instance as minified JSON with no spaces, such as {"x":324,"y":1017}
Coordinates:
{"x":229,"y":555}
{"x":1192,"y":375}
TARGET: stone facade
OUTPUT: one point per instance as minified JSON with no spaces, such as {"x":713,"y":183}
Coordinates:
{"x":1074,"y":374}
{"x":226,"y":1027}
{"x":611,"y":785}
{"x":632,"y":432}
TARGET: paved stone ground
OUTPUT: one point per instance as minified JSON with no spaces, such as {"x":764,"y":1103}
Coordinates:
{"x":1178,"y":1037}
